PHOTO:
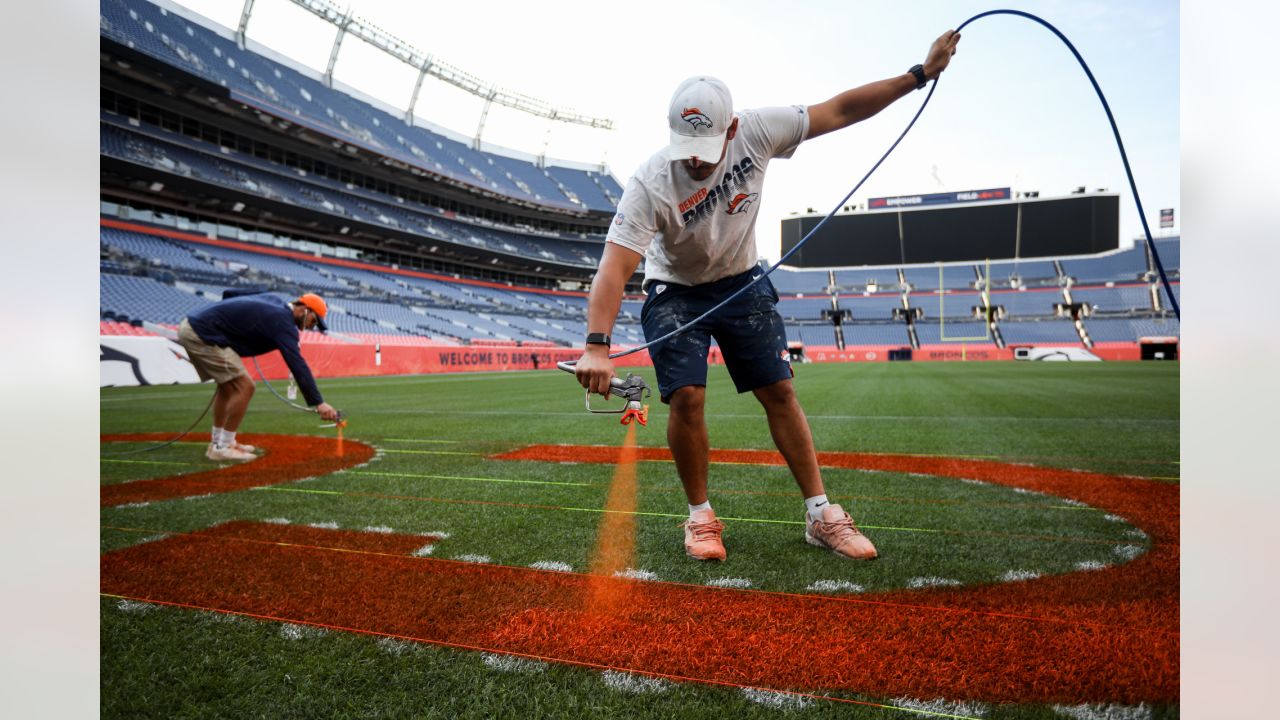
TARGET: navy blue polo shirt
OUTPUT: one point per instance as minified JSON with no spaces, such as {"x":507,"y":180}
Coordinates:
{"x":255,"y":325}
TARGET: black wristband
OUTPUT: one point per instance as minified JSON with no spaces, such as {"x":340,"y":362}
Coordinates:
{"x":918,"y":72}
{"x":599,"y":339}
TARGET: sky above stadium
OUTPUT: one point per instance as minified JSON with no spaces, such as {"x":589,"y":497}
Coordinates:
{"x":1014,"y":110}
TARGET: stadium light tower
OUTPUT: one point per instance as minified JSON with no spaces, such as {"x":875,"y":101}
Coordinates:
{"x":427,"y":64}
{"x":244,"y":23}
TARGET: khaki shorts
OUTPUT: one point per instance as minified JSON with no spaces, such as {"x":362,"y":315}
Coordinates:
{"x":222,"y":365}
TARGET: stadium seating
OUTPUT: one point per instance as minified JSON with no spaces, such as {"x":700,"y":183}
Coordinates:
{"x":794,"y":282}
{"x":857,"y":280}
{"x":932,"y":333}
{"x":370,"y":306}
{"x":1124,"y":266}
{"x":164,"y":253}
{"x":803,"y":308}
{"x":115,"y":327}
{"x":876,"y":334}
{"x":212,"y":54}
{"x":1103,"y":330}
{"x":196,"y":160}
{"x":954,"y":277}
{"x":1122,"y":298}
{"x":142,"y":298}
{"x":871,"y":307}
{"x":1170,"y":250}
{"x":1029,"y":273}
{"x":1039,"y":331}
{"x":813,"y":335}
{"x":957,"y":305}
{"x":1026,"y":302}
{"x":1156,"y":327}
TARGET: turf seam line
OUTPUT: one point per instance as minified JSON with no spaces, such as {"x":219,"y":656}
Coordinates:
{"x":541,"y":658}
{"x":779,"y":593}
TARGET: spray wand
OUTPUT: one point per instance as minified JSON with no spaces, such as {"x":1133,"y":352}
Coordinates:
{"x":633,"y":389}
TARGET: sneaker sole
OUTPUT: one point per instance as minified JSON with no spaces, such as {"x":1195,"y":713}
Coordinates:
{"x":818,"y":543}
{"x":704,"y":559}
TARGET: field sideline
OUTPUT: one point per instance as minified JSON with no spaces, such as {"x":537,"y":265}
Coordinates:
{"x":1026,"y":509}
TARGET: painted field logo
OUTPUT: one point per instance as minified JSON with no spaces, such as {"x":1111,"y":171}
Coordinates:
{"x":695,"y":117}
{"x":741,"y":202}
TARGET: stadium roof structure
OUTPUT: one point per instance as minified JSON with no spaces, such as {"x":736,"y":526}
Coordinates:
{"x":427,"y":64}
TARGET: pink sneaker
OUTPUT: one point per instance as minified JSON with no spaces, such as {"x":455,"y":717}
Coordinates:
{"x":220,"y":454}
{"x":837,"y":533}
{"x":702,"y":536}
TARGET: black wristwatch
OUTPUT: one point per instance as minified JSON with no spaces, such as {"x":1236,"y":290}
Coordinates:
{"x":918,"y":71}
{"x":599,"y":339}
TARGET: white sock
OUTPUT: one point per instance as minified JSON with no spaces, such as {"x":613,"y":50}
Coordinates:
{"x":216,"y":437}
{"x":815,"y":505}
{"x":228,"y":438}
{"x":695,"y":508}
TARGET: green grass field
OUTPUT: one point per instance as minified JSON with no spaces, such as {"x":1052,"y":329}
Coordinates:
{"x":435,"y":475}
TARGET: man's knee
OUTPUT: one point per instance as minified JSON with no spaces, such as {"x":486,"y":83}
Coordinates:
{"x":241,"y":386}
{"x":688,"y":401}
{"x":778,"y":396}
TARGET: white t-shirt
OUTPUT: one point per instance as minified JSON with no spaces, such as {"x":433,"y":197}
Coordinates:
{"x":693,"y":232}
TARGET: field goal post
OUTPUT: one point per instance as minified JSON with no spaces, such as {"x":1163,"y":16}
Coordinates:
{"x":986,"y":306}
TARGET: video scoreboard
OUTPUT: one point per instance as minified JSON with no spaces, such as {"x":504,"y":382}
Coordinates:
{"x":953,"y":227}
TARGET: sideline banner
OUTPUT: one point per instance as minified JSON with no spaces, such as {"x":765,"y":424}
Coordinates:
{"x":139,"y":360}
{"x":332,"y":360}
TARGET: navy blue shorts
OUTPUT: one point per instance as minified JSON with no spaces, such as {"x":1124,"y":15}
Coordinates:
{"x":749,"y":330}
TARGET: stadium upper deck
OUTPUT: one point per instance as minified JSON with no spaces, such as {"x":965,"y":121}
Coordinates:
{"x":294,"y":95}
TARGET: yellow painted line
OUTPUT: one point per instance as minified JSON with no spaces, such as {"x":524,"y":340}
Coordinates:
{"x":457,"y":477}
{"x":146,"y":462}
{"x":430,"y":452}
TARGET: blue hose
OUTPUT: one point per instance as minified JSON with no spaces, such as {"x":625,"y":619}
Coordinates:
{"x":1110,"y":118}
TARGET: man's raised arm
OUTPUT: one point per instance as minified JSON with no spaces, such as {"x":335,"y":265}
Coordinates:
{"x":860,"y":103}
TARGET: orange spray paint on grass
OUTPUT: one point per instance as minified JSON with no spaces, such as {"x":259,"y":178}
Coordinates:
{"x":616,"y":539}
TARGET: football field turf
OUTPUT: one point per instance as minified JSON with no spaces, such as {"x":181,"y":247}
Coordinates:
{"x":1026,"y":516}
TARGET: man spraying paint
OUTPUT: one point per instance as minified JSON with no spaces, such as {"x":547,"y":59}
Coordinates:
{"x":690,"y":212}
{"x":247,"y":324}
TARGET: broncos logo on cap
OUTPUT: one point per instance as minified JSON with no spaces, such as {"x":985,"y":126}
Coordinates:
{"x":741,"y":202}
{"x":695,"y":117}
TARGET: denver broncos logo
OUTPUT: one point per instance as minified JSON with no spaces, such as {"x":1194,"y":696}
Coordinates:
{"x":741,"y":202}
{"x":695,"y":117}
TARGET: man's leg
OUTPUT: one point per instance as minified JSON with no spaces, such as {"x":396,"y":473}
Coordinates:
{"x":687,"y":437}
{"x":790,"y":431}
{"x":225,"y":393}
{"x":234,"y":403}
{"x":826,"y":525}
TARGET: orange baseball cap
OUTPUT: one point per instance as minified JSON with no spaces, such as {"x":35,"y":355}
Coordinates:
{"x":317,"y":305}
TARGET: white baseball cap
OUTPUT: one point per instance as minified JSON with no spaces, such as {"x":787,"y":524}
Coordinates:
{"x":700,"y":114}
